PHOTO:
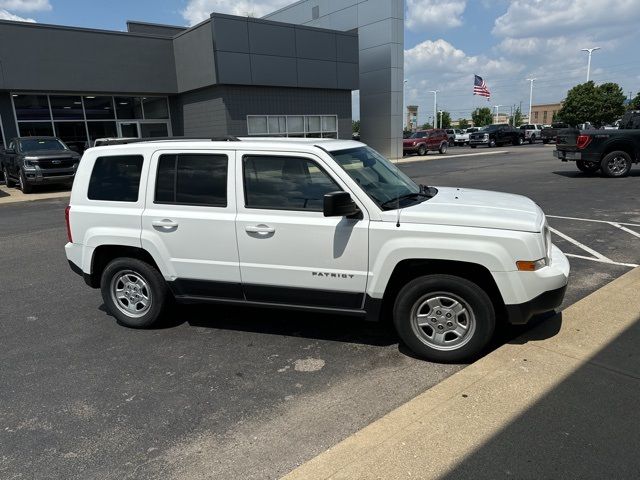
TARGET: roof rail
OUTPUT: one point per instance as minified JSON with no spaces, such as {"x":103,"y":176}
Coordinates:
{"x":125,"y":141}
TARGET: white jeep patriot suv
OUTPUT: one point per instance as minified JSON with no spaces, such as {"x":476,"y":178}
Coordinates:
{"x":309,"y":224}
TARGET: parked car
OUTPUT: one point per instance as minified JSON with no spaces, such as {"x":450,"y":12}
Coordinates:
{"x":550,"y":134}
{"x":311,"y":227}
{"x":451,"y":135}
{"x":611,"y":151}
{"x":472,"y":129}
{"x":424,"y":141}
{"x":30,"y":161}
{"x":498,"y":134}
{"x":461,"y":138}
{"x":532,"y":132}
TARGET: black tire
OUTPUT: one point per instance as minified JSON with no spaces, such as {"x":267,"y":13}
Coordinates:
{"x":155,"y":288}
{"x":545,"y":141}
{"x":475,"y":302}
{"x":473,"y":146}
{"x":616,"y":164}
{"x":443,"y":148}
{"x":422,"y":150}
{"x":7,"y":181}
{"x":587,"y":167}
{"x":492,"y":143}
{"x":532,"y":139}
{"x":24,"y":185}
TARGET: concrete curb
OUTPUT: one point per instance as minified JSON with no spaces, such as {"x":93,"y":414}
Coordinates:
{"x":472,"y":407}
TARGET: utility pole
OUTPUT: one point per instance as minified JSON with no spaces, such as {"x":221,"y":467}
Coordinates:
{"x":435,"y":105}
{"x":440,"y":113}
{"x":590,"y":50}
{"x":531,"y":96}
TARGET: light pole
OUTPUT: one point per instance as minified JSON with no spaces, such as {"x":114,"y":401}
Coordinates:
{"x":435,"y":103}
{"x":530,"y":97}
{"x":590,"y":50}
{"x":497,"y":107}
{"x":440,"y":113}
{"x":404,"y":100}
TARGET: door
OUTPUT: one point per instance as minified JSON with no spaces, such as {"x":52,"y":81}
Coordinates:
{"x":10,"y":159}
{"x":433,"y":141}
{"x":129,"y":129}
{"x":289,"y":252}
{"x":189,"y":222}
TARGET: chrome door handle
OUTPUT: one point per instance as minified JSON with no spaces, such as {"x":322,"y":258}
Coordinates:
{"x":166,"y":223}
{"x":260,"y":229}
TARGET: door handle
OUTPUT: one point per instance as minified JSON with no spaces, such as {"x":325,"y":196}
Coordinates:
{"x":166,"y":224}
{"x":260,"y":229}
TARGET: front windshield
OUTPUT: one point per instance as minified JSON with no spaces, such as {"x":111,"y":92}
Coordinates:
{"x":418,"y":135}
{"x":35,"y":144}
{"x":378,"y":177}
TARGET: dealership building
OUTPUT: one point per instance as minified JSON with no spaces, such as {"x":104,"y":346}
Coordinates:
{"x":291,"y":73}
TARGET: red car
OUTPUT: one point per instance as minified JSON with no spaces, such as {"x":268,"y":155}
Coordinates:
{"x":424,"y":141}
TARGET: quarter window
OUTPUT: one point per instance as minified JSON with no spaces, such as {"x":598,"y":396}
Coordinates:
{"x":285,"y":183}
{"x":192,"y":179}
{"x":116,"y":178}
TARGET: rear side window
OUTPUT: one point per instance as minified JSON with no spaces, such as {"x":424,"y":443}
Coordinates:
{"x":285,"y":183}
{"x":192,"y":179}
{"x":116,"y":179}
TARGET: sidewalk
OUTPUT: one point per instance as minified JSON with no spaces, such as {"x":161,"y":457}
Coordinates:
{"x":13,"y":195}
{"x":562,"y":402}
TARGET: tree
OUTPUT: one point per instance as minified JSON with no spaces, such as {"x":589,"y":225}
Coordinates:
{"x":516,"y":119}
{"x":463,"y":123}
{"x":355,"y":126}
{"x":481,"y":117}
{"x":426,"y":126}
{"x":600,"y":105}
{"x":635,"y":103}
{"x":445,"y":118}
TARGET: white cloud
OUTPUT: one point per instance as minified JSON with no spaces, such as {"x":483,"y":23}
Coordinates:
{"x":526,"y":18}
{"x":198,"y":10}
{"x":434,"y":13}
{"x":4,"y":15}
{"x":25,"y":5}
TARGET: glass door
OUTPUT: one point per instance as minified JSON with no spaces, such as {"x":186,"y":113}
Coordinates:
{"x":129,"y":129}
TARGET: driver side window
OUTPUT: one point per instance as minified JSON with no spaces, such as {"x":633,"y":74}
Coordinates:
{"x":285,"y":183}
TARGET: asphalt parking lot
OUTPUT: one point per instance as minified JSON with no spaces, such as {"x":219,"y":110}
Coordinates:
{"x":241,"y":393}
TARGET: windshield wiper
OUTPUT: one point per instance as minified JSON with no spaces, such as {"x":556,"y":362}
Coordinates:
{"x":405,"y":197}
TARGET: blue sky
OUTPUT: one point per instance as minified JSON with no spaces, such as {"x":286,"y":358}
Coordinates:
{"x":446,"y":41}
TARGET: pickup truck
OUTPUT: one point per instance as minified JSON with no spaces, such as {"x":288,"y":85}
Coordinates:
{"x":532,"y":132}
{"x":550,"y":134}
{"x":461,"y":138}
{"x":30,"y":161}
{"x":610,"y":151}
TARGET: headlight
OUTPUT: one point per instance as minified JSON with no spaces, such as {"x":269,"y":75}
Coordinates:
{"x":414,"y":143}
{"x":486,"y":135}
{"x":28,"y":161}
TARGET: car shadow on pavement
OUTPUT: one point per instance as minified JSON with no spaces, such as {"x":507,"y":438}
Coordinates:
{"x":317,"y":326}
{"x":579,"y":174}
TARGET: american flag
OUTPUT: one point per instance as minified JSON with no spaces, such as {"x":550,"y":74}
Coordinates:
{"x":480,"y":87}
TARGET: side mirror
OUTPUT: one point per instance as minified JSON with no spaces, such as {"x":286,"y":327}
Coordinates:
{"x":340,"y":204}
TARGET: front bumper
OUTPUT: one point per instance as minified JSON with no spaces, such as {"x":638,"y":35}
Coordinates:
{"x":39,"y":176}
{"x":528,"y":293}
{"x":479,"y":141}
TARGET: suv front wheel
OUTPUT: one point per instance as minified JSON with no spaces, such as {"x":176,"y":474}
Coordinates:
{"x":444,"y":318}
{"x":134,"y":292}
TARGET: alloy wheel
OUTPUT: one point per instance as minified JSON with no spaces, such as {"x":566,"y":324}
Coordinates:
{"x":131,"y":293}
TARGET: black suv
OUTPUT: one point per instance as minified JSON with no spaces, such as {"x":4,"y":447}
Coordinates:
{"x":498,"y":134}
{"x":30,"y":161}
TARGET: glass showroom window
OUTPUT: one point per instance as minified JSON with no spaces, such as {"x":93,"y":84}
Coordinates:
{"x":310,"y":126}
{"x":80,"y":119}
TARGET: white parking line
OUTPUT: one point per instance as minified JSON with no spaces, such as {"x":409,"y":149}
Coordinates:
{"x":610,"y":262}
{"x":595,"y":221}
{"x":582,"y":246}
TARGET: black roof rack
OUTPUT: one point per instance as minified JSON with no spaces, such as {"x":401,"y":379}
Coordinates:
{"x":125,"y":141}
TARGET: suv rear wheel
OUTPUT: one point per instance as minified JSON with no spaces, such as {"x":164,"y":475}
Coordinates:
{"x":444,"y":318}
{"x":443,"y":148}
{"x":616,"y":164}
{"x":134,"y":292}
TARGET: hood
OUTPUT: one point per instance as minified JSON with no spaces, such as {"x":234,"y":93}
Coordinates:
{"x":50,"y":154}
{"x":409,"y":141}
{"x":475,"y":208}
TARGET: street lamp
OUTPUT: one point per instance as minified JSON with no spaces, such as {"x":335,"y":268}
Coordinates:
{"x":590,"y":50}
{"x":435,"y":102}
{"x":497,"y":107}
{"x":530,"y":97}
{"x":440,"y":113}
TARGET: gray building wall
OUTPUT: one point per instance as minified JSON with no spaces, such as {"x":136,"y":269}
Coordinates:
{"x":194,"y":58}
{"x":154,"y":29}
{"x":37,"y":57}
{"x":223,"y":110}
{"x":250,"y":51}
{"x":380,"y":25}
